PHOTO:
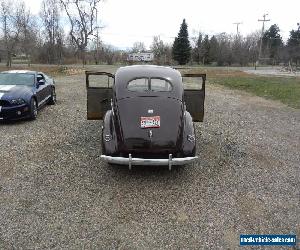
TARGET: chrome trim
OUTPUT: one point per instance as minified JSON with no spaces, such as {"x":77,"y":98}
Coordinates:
{"x":112,"y":106}
{"x":170,"y":162}
{"x":148,"y":162}
{"x":107,"y":138}
{"x":130,"y":161}
{"x":191,"y":138}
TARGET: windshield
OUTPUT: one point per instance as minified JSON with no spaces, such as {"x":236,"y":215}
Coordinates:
{"x":16,"y":79}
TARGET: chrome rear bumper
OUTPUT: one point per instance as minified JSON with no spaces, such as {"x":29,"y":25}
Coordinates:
{"x":148,"y":162}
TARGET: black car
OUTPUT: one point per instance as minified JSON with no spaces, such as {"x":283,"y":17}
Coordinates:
{"x":147,"y":115}
{"x":23,"y":93}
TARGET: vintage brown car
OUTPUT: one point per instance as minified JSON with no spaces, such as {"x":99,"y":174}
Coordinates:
{"x":147,"y":115}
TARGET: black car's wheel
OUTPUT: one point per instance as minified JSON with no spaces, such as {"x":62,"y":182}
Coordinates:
{"x":33,"y":109}
{"x":52,"y":99}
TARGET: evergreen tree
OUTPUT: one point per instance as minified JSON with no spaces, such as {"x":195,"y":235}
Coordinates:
{"x":293,"y":45}
{"x":272,"y":42}
{"x":181,"y":47}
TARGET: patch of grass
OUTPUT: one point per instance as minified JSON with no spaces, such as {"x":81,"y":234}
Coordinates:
{"x":284,"y":89}
{"x":51,"y":70}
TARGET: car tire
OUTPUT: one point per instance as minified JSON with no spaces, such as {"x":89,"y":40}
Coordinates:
{"x":33,"y":109}
{"x":52,"y":99}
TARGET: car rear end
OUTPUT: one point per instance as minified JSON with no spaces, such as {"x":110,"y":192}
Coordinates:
{"x":149,"y":116}
{"x":150,"y":126}
{"x":145,"y":121}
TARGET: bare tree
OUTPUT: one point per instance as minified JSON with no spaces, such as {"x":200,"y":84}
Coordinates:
{"x":159,"y":50}
{"x":82,"y":17}
{"x":223,"y":49}
{"x":96,"y":47}
{"x":11,"y":29}
{"x":138,"y":47}
{"x":109,"y":54}
{"x":252,"y":43}
{"x":28,"y":31}
{"x":50,"y":15}
{"x":237,"y":50}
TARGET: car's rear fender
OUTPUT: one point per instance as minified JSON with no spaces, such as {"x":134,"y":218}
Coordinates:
{"x":189,"y":136}
{"x":109,"y":137}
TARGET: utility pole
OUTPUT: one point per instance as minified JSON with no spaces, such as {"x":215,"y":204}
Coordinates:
{"x":262,"y":34}
{"x":237,"y":27}
{"x":97,"y":38}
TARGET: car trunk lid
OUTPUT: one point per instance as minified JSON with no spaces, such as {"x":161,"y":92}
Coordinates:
{"x":142,"y":137}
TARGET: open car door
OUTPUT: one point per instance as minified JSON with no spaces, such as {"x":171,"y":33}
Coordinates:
{"x":194,"y":98}
{"x":99,"y":96}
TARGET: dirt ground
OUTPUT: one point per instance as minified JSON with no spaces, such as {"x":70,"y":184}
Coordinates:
{"x":55,"y":191}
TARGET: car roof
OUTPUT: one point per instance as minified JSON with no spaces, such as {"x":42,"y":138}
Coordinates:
{"x":20,"y":71}
{"x":128,"y":73}
{"x":148,"y":70}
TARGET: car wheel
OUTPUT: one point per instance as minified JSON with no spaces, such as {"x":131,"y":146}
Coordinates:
{"x":33,"y":109}
{"x":52,"y":99}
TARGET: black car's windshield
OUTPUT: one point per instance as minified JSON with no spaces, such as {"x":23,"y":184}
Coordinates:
{"x":16,"y":79}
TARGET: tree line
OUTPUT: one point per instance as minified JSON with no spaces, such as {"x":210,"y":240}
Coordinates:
{"x":224,"y":49}
{"x":42,"y":39}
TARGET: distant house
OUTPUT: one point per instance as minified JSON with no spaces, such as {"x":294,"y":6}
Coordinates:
{"x":141,"y":57}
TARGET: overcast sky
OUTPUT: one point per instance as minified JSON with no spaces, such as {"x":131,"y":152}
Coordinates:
{"x":127,"y":21}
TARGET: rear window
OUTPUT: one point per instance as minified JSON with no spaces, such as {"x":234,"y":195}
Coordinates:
{"x":149,"y":84}
{"x":139,"y":85}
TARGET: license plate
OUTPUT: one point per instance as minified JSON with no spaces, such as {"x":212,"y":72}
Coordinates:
{"x":150,"y":122}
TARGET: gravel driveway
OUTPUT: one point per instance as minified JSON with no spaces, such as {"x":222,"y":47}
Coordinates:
{"x":272,"y":71}
{"x":55,"y":192}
